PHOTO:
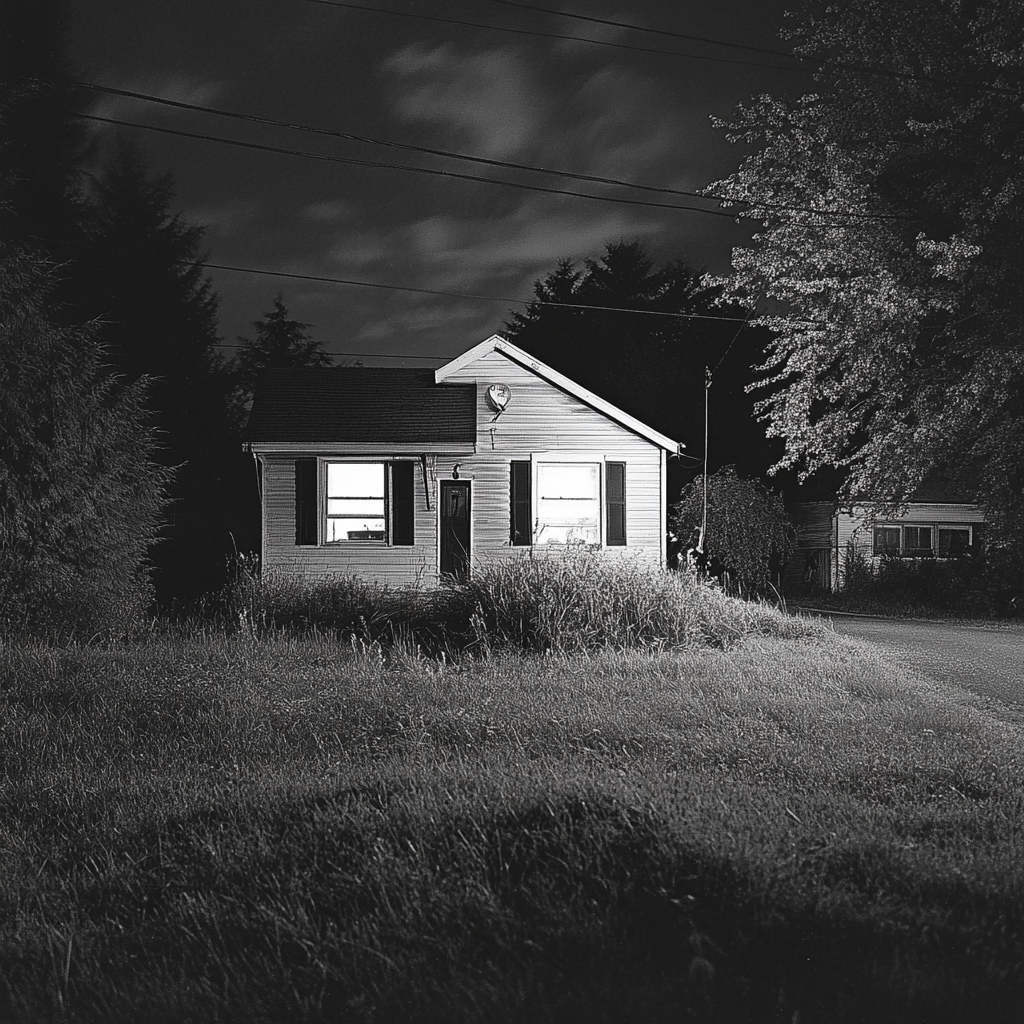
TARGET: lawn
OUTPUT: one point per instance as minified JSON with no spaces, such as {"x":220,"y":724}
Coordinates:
{"x":239,"y":828}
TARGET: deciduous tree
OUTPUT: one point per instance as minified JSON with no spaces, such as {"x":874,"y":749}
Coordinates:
{"x":747,"y":526}
{"x":888,"y":258}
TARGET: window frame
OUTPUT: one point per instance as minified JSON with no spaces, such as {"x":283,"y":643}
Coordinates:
{"x":577,"y":458}
{"x":390,"y":490}
{"x":326,"y":517}
{"x":949,"y":527}
{"x":935,"y":527}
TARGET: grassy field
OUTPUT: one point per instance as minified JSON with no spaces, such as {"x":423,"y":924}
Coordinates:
{"x":233,"y":830}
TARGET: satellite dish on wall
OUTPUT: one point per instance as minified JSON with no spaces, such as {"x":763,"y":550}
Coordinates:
{"x":498,"y":396}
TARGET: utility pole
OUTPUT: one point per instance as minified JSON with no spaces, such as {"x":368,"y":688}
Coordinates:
{"x":704,"y":521}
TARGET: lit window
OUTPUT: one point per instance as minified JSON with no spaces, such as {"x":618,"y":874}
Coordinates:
{"x":568,"y":503}
{"x":355,"y":501}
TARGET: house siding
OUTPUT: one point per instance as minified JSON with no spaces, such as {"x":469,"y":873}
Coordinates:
{"x":854,"y":527}
{"x":540,"y":418}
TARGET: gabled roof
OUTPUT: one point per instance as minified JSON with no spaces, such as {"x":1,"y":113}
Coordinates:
{"x":496,"y":343}
{"x":385,"y":405}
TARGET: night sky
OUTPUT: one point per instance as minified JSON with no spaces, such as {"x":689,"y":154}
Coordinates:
{"x":526,"y":99}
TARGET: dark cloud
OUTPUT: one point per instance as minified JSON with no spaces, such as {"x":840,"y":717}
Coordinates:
{"x":558,"y":104}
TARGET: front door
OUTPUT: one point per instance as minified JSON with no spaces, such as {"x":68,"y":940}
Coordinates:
{"x":455,"y":528}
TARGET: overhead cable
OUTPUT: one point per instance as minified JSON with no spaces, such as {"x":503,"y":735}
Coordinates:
{"x":436,"y":172}
{"x":548,"y":35}
{"x":471,"y":158}
{"x":823,"y":62}
{"x":467,"y":295}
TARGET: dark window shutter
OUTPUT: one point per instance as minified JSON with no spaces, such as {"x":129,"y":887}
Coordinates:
{"x":520,"y":505}
{"x":615,"y":500}
{"x":306,"y":509}
{"x":402,"y":508}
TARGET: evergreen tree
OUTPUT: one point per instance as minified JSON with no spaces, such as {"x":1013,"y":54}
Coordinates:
{"x":157,"y":316}
{"x":80,"y":495}
{"x":279,"y":343}
{"x":42,"y":143}
{"x":652,"y":366}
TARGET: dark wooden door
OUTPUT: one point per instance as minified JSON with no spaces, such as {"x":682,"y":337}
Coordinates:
{"x":455,"y":511}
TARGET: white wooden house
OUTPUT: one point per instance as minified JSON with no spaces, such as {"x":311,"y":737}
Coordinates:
{"x":402,"y":475}
{"x":938,"y":521}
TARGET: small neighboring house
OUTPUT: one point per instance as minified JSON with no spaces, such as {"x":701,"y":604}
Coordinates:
{"x":939,"y":521}
{"x":402,"y":475}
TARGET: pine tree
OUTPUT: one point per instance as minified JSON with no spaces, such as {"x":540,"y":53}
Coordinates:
{"x":42,"y":143}
{"x":157,"y":316}
{"x":279,"y":343}
{"x":80,"y":496}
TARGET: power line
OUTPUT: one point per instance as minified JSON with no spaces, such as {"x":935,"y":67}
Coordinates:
{"x":823,"y":62}
{"x":617,"y":182}
{"x":651,"y":31}
{"x":550,"y":35}
{"x":466,"y":295}
{"x":350,"y":137}
{"x":370,"y":355}
{"x":436,"y":172}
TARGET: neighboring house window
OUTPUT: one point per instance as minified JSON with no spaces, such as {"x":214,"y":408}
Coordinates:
{"x":954,"y":540}
{"x":917,"y":540}
{"x":362,"y":501}
{"x":887,"y":540}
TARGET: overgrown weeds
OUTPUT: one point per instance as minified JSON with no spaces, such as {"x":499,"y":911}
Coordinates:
{"x":574,"y":602}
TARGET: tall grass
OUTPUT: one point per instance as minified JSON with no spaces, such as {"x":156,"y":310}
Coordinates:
{"x":242,"y":829}
{"x":575,"y":602}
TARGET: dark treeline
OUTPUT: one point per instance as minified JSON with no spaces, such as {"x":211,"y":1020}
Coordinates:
{"x":91,"y":235}
{"x":654,"y":366}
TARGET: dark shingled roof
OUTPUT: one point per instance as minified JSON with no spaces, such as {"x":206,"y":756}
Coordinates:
{"x":355,"y":403}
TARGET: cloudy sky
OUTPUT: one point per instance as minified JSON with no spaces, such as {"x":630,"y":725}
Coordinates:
{"x":412,"y":73}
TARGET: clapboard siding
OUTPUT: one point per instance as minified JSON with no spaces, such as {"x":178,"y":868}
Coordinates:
{"x":540,"y":418}
{"x":388,"y":564}
{"x":854,"y":528}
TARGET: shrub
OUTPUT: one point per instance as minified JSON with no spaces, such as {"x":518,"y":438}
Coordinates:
{"x":747,"y":526}
{"x":80,"y":496}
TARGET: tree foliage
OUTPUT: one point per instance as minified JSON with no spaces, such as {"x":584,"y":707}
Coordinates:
{"x":279,"y":343}
{"x":747,"y":525}
{"x":888,"y":255}
{"x":651,"y":366}
{"x":80,"y":497}
{"x":156,"y":314}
